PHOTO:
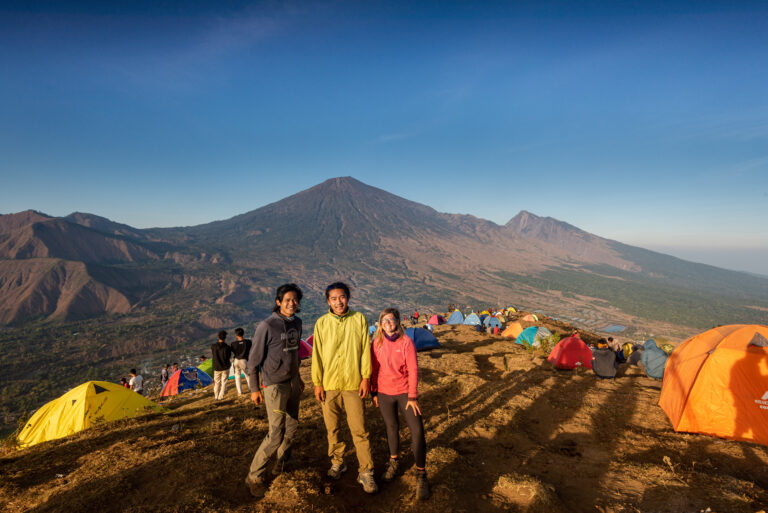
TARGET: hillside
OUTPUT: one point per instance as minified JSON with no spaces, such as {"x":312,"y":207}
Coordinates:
{"x":82,"y":286}
{"x":505,"y":432}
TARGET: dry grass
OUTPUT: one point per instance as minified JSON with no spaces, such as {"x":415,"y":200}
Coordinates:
{"x":505,"y":432}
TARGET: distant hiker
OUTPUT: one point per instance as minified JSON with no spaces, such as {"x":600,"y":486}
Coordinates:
{"x":202,"y":358}
{"x":136,"y":382}
{"x":416,"y":316}
{"x":174,"y":368}
{"x":394,"y":386}
{"x":221,"y":353}
{"x":241,"y":348}
{"x":164,"y":375}
{"x":341,"y":372}
{"x":636,"y":354}
{"x":604,"y":360}
{"x":614,"y":346}
{"x":275,"y":351}
{"x":124,"y":382}
{"x":653,"y":359}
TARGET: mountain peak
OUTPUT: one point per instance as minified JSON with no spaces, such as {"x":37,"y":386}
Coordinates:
{"x":10,"y":222}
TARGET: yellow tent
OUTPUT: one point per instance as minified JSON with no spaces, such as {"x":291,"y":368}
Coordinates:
{"x":513,"y":330}
{"x":80,"y":408}
{"x":485,"y":312}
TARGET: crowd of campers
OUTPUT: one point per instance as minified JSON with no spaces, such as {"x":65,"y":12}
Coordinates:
{"x":712,"y":383}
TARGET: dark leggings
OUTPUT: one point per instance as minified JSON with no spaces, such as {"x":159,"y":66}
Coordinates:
{"x":389,"y":404}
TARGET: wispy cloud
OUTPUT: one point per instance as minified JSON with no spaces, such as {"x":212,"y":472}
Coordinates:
{"x":182,"y":64}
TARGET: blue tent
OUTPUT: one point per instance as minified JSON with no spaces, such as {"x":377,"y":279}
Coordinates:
{"x":654,"y":360}
{"x":493,"y":322}
{"x":456,"y":317}
{"x":422,"y":339}
{"x":483,"y":317}
{"x":472,"y":319}
{"x":532,"y":336}
{"x":185,"y":379}
{"x":371,"y":330}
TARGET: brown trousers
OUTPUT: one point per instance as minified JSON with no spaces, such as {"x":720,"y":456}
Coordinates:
{"x":350,"y":402}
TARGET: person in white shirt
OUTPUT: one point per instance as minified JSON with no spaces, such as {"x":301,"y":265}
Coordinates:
{"x":136,"y":382}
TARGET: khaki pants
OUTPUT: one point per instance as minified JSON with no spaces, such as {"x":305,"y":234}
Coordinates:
{"x":220,"y":383}
{"x":240,"y":366}
{"x":282,"y":404}
{"x":352,"y":404}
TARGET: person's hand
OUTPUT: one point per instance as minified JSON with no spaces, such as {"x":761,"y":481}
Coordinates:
{"x":257,"y":397}
{"x":365,"y":387}
{"x":376,"y":401}
{"x":415,"y":405}
{"x":320,"y":393}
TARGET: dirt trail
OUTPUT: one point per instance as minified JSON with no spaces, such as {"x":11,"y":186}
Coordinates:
{"x":505,"y":432}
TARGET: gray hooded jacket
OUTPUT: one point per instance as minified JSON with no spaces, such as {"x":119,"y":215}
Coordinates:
{"x":276,"y":350}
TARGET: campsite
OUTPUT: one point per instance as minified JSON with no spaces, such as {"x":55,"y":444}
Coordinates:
{"x":506,"y":431}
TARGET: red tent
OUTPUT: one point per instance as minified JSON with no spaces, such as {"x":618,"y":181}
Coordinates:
{"x":436,"y":320}
{"x":570,"y":353}
{"x":305,"y":348}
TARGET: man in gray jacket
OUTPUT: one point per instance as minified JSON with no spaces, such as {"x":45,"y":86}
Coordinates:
{"x":275,"y":351}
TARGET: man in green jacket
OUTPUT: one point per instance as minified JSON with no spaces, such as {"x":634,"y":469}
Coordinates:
{"x":341,"y":372}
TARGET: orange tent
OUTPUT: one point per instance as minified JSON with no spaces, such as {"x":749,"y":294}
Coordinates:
{"x":530,"y":318}
{"x":513,"y":330}
{"x":716,"y":383}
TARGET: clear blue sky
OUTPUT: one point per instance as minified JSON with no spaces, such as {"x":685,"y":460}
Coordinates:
{"x":643,"y":122}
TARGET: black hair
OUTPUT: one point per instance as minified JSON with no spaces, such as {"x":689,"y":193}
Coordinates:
{"x":222,"y":335}
{"x":133,"y":371}
{"x":282,"y":290}
{"x":239,"y":332}
{"x":337,"y":285}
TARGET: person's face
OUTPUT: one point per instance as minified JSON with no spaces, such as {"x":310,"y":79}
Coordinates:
{"x":289,"y":304}
{"x":389,"y":324}
{"x":337,"y":300}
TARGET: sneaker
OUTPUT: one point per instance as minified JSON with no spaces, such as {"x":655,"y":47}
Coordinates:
{"x":369,"y":484}
{"x":336,"y":470}
{"x":390,"y":471}
{"x":256,"y":486}
{"x":422,"y":486}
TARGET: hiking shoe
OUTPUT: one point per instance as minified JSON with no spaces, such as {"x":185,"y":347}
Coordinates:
{"x":256,"y":486}
{"x":369,"y":484}
{"x":422,"y":486}
{"x":336,"y":470}
{"x":390,"y":471}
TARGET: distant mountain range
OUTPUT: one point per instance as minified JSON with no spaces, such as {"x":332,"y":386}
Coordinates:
{"x":393,"y":251}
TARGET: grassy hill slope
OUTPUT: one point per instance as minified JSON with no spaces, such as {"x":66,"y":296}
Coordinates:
{"x":505,"y":432}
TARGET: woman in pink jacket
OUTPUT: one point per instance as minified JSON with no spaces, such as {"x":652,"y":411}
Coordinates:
{"x":394,"y":386}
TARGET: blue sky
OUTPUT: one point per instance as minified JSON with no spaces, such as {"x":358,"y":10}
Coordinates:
{"x":643,"y":122}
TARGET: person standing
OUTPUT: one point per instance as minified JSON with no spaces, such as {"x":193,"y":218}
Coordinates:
{"x":395,"y":386}
{"x":275,"y":351}
{"x":241,"y":348}
{"x":136,"y":383}
{"x":341,"y":372}
{"x":221,"y":353}
{"x":164,"y":375}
